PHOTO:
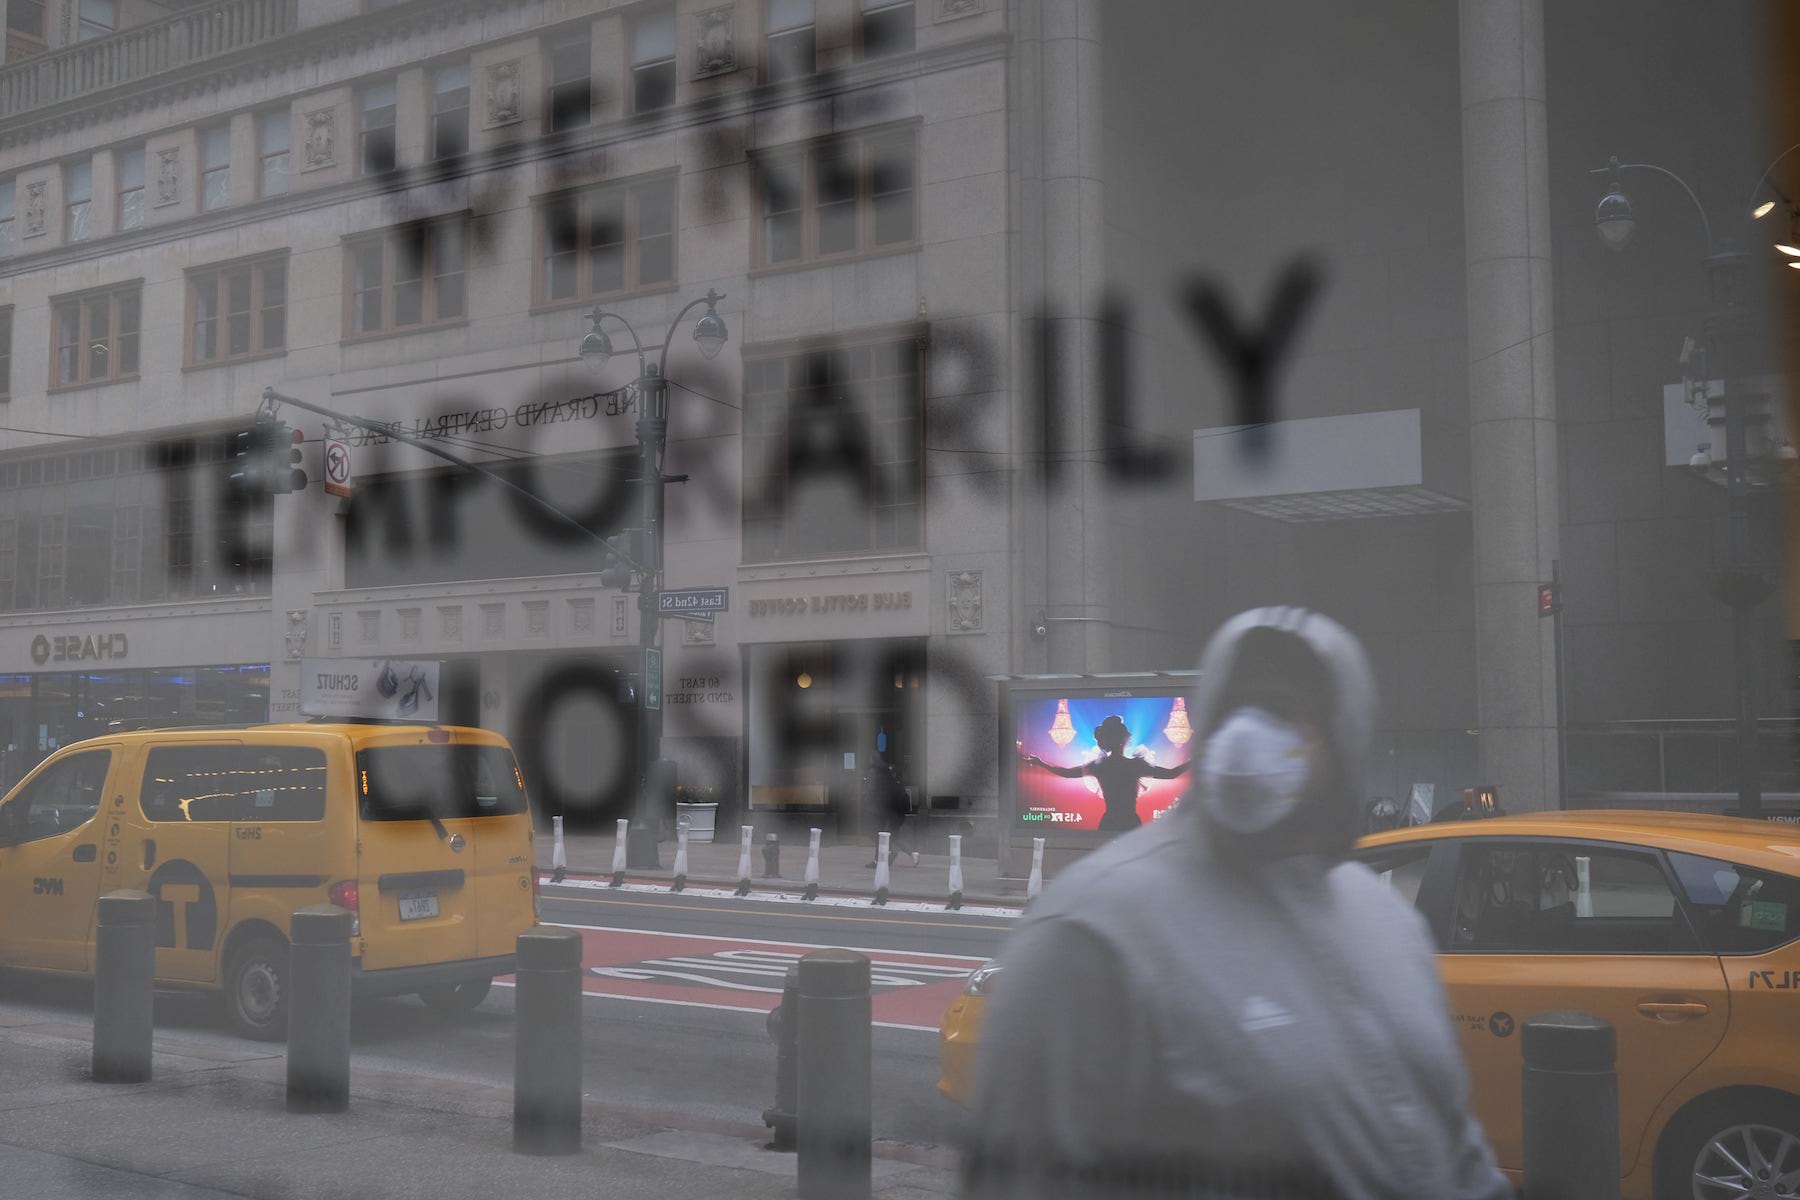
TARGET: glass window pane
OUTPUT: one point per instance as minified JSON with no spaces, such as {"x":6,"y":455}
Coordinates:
{"x":1741,"y":910}
{"x":887,"y":28}
{"x":206,"y":318}
{"x":834,"y":183}
{"x":128,"y":310}
{"x":273,"y":130}
{"x":68,"y":343}
{"x":606,"y":241}
{"x":78,"y":182}
{"x":365,"y":313}
{"x":789,"y":14}
{"x":653,"y":38}
{"x":215,"y":147}
{"x":559,"y":249}
{"x":131,"y":169}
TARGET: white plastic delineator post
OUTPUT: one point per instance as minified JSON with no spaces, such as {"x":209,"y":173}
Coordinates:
{"x":956,"y":882}
{"x":681,"y":836}
{"x":811,"y":878}
{"x":1035,"y":884}
{"x":559,"y":857}
{"x":620,"y":839}
{"x":1584,"y":891}
{"x":881,"y":868}
{"x":745,"y":832}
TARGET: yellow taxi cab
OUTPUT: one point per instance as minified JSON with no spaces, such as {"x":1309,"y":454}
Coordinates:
{"x":423,"y":832}
{"x":1680,"y":929}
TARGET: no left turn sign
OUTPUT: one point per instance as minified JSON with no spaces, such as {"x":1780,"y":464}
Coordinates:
{"x":337,"y":468}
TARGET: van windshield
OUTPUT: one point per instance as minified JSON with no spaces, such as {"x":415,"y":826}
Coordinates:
{"x":418,"y":783}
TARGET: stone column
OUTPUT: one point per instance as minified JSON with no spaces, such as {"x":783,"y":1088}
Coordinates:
{"x":1062,"y":535}
{"x":1512,"y":395}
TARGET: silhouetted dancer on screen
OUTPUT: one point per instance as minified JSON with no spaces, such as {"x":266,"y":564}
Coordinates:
{"x":1118,"y":776}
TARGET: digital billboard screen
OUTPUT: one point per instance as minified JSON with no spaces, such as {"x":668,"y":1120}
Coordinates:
{"x":1098,"y":762}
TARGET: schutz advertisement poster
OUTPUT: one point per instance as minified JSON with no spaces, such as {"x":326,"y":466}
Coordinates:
{"x":365,"y":689}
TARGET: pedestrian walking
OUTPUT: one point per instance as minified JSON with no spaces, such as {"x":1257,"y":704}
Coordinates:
{"x":1220,"y":1003}
{"x":889,"y":806}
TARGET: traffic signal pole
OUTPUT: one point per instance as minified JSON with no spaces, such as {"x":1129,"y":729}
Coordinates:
{"x":653,"y":441}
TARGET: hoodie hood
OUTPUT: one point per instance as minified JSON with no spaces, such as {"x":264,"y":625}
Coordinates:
{"x":1351,"y":712}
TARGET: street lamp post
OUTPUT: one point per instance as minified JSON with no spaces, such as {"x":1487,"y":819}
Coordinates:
{"x":652,"y":386}
{"x":1740,"y":585}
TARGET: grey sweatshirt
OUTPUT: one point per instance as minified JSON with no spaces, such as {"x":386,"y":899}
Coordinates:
{"x":1170,"y":1023}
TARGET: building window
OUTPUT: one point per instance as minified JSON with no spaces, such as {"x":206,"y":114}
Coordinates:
{"x":272,"y":135}
{"x":887,"y":27}
{"x":450,"y":111}
{"x":237,"y":311}
{"x":6,"y":218}
{"x":215,"y":167}
{"x":653,"y":61}
{"x":26,"y":17}
{"x":568,"y":100}
{"x":375,"y":128}
{"x":407,"y":278}
{"x":128,"y":168}
{"x":78,"y":195}
{"x":95,"y":336}
{"x":833,"y":461}
{"x":6,"y":322}
{"x":790,"y":46}
{"x":606,"y":240}
{"x":838,"y":198}
{"x":98,"y":18}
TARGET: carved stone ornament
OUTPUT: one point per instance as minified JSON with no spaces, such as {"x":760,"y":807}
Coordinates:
{"x":698,"y":633}
{"x":503,"y":93}
{"x":715,"y":41}
{"x":168,"y":177}
{"x":34,"y":208}
{"x":965,"y":602}
{"x":320,"y":149}
{"x":949,"y":10}
{"x":450,"y":622}
{"x":294,"y":639}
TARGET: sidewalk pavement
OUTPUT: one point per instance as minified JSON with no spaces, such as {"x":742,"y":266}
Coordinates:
{"x":213,"y":1124}
{"x":842,"y":868}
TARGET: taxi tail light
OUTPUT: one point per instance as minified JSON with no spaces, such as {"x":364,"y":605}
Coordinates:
{"x":348,"y":896}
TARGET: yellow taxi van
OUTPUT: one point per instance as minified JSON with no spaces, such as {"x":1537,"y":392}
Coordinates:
{"x":423,"y":832}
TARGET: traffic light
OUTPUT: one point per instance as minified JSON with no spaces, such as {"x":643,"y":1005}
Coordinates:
{"x":286,"y":474}
{"x":265,"y":460}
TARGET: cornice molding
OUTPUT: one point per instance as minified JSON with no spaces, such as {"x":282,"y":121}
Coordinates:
{"x":594,"y":140}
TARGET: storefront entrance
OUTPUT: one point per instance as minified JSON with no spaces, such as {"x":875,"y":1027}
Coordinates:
{"x":820,"y":712}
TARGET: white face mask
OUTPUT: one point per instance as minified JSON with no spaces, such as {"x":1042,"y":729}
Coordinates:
{"x":1253,"y":771}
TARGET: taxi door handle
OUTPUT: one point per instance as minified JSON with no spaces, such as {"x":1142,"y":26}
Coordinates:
{"x":1673,"y":1010}
{"x":149,"y":854}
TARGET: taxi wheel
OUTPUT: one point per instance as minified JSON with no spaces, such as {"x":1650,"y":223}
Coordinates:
{"x":256,"y":992}
{"x":457,"y":998}
{"x":1739,"y":1148}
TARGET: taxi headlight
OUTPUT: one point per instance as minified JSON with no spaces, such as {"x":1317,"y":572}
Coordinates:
{"x":982,"y":981}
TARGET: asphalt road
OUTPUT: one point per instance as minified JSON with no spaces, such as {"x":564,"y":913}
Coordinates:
{"x":684,"y":1063}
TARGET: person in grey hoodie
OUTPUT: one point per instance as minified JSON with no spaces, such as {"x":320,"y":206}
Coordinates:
{"x":1219,"y":1004}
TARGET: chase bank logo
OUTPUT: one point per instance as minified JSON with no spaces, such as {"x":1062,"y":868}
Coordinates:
{"x":40,"y":649}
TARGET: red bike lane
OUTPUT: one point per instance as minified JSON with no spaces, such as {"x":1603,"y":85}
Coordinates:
{"x":909,"y":990}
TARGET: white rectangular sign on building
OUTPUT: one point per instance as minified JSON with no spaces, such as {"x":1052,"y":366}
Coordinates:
{"x":361,"y":689}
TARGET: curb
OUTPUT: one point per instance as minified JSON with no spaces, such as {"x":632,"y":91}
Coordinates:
{"x":664,"y":879}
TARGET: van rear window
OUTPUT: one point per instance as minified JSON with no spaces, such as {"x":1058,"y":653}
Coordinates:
{"x":416,"y":783}
{"x":234,"y":783}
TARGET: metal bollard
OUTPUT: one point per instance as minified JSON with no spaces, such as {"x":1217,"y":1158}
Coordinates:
{"x":681,"y":856}
{"x":547,"y":1043}
{"x":811,"y":877}
{"x":881,"y":867}
{"x":784,"y":1027}
{"x":1571,"y":1108}
{"x":745,"y":834}
{"x":771,"y":856}
{"x":124,"y":971}
{"x":559,"y":855}
{"x":318,"y":1020}
{"x":1035,"y":883}
{"x":956,"y":875}
{"x":620,"y":841}
{"x":834,"y":1097}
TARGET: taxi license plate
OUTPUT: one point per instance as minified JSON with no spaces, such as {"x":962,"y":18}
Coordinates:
{"x":413,"y":908}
